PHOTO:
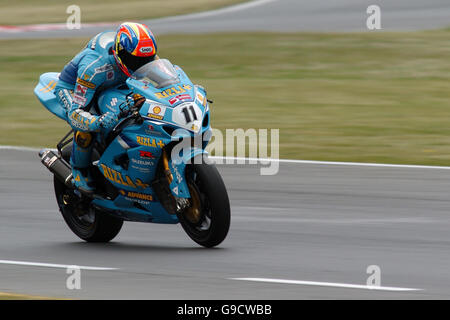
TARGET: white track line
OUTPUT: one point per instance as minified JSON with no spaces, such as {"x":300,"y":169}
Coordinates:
{"x":210,"y":13}
{"x":360,"y":164}
{"x":49,"y":27}
{"x":18,"y":148}
{"x":268,"y":160}
{"x":326,"y":284}
{"x":62,"y":26}
{"x":52,"y":265}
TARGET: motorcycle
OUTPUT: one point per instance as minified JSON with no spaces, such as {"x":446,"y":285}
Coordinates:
{"x":139,"y":171}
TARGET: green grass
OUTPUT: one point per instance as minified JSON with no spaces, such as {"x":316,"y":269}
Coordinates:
{"x":16,"y":12}
{"x":371,"y":97}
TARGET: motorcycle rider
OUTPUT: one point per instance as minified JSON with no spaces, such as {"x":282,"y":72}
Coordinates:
{"x":106,"y":61}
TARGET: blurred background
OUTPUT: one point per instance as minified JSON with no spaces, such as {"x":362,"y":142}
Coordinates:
{"x":337,"y":83}
{"x":335,"y":89}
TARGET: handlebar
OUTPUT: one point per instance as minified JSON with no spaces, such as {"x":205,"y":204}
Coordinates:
{"x":134,"y":103}
{"x":129,"y":112}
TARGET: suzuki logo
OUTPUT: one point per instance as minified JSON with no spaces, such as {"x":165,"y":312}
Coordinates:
{"x":146,"y":154}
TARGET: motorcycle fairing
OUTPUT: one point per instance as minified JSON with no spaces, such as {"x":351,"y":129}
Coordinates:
{"x":122,"y":164}
{"x":171,"y":95}
{"x":179,"y":185}
{"x":131,"y":167}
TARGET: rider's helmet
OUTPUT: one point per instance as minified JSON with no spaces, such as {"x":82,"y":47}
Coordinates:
{"x":134,"y":46}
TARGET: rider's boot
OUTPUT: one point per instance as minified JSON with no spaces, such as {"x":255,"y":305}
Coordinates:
{"x":81,"y":160}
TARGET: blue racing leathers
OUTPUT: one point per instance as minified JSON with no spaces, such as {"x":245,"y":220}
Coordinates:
{"x":91,"y":70}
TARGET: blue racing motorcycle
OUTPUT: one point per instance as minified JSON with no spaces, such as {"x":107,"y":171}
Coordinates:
{"x":141,"y":172}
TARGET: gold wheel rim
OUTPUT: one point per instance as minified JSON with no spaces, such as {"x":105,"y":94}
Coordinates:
{"x":193,"y":213}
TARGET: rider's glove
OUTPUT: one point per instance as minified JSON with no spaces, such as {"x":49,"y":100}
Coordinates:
{"x":108,"y":120}
{"x":138,"y":100}
{"x":84,"y":121}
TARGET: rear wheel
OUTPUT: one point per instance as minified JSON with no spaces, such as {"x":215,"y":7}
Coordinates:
{"x":207,"y":220}
{"x":88,"y":223}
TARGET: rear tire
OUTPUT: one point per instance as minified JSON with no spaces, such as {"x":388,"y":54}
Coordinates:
{"x":88,"y":223}
{"x":210,"y":227}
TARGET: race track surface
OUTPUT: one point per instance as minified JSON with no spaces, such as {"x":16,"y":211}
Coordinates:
{"x":288,"y":16}
{"x":311,"y":222}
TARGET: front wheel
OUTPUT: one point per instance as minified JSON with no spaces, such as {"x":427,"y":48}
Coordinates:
{"x":207,"y":220}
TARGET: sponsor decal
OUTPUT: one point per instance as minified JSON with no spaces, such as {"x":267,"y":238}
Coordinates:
{"x":79,"y":121}
{"x":177,"y":173}
{"x":146,"y":84}
{"x":201,"y":99}
{"x":151,"y":131}
{"x":146,"y":49}
{"x":112,"y":104}
{"x":79,"y":99}
{"x":149,"y":142}
{"x":143,"y":170}
{"x":142,"y":162}
{"x":94,"y":42}
{"x":136,"y":195}
{"x":173,"y":91}
{"x":146,"y":154}
{"x":79,"y":96}
{"x":80,"y":90}
{"x":180,"y":98}
{"x":116,"y":177}
{"x":78,"y":125}
{"x":49,"y":160}
{"x":66,"y":103}
{"x":85,"y":83}
{"x":156,"y":112}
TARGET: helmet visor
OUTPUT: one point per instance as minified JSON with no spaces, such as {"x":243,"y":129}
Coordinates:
{"x":133,"y":62}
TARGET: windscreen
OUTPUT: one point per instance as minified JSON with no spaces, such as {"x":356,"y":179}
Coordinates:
{"x":160,"y":73}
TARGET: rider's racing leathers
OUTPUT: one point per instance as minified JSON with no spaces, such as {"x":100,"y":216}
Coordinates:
{"x":90,"y":71}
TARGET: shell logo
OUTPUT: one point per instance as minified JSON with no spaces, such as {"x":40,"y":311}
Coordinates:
{"x":156,"y":110}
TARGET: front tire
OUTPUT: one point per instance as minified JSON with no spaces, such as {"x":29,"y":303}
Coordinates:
{"x":88,"y":223}
{"x":207,"y":221}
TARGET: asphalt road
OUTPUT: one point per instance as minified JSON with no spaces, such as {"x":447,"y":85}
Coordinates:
{"x":310,"y":222}
{"x":321,"y":223}
{"x":289,"y":16}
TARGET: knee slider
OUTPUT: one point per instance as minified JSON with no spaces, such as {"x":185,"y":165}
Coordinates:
{"x":83,"y":139}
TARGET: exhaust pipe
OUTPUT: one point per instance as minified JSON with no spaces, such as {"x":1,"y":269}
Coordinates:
{"x":57,"y":165}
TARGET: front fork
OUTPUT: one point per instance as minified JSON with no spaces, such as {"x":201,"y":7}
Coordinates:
{"x":171,"y":186}
{"x":163,"y":185}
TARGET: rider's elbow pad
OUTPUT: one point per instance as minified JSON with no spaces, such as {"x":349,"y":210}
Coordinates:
{"x":83,"y":121}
